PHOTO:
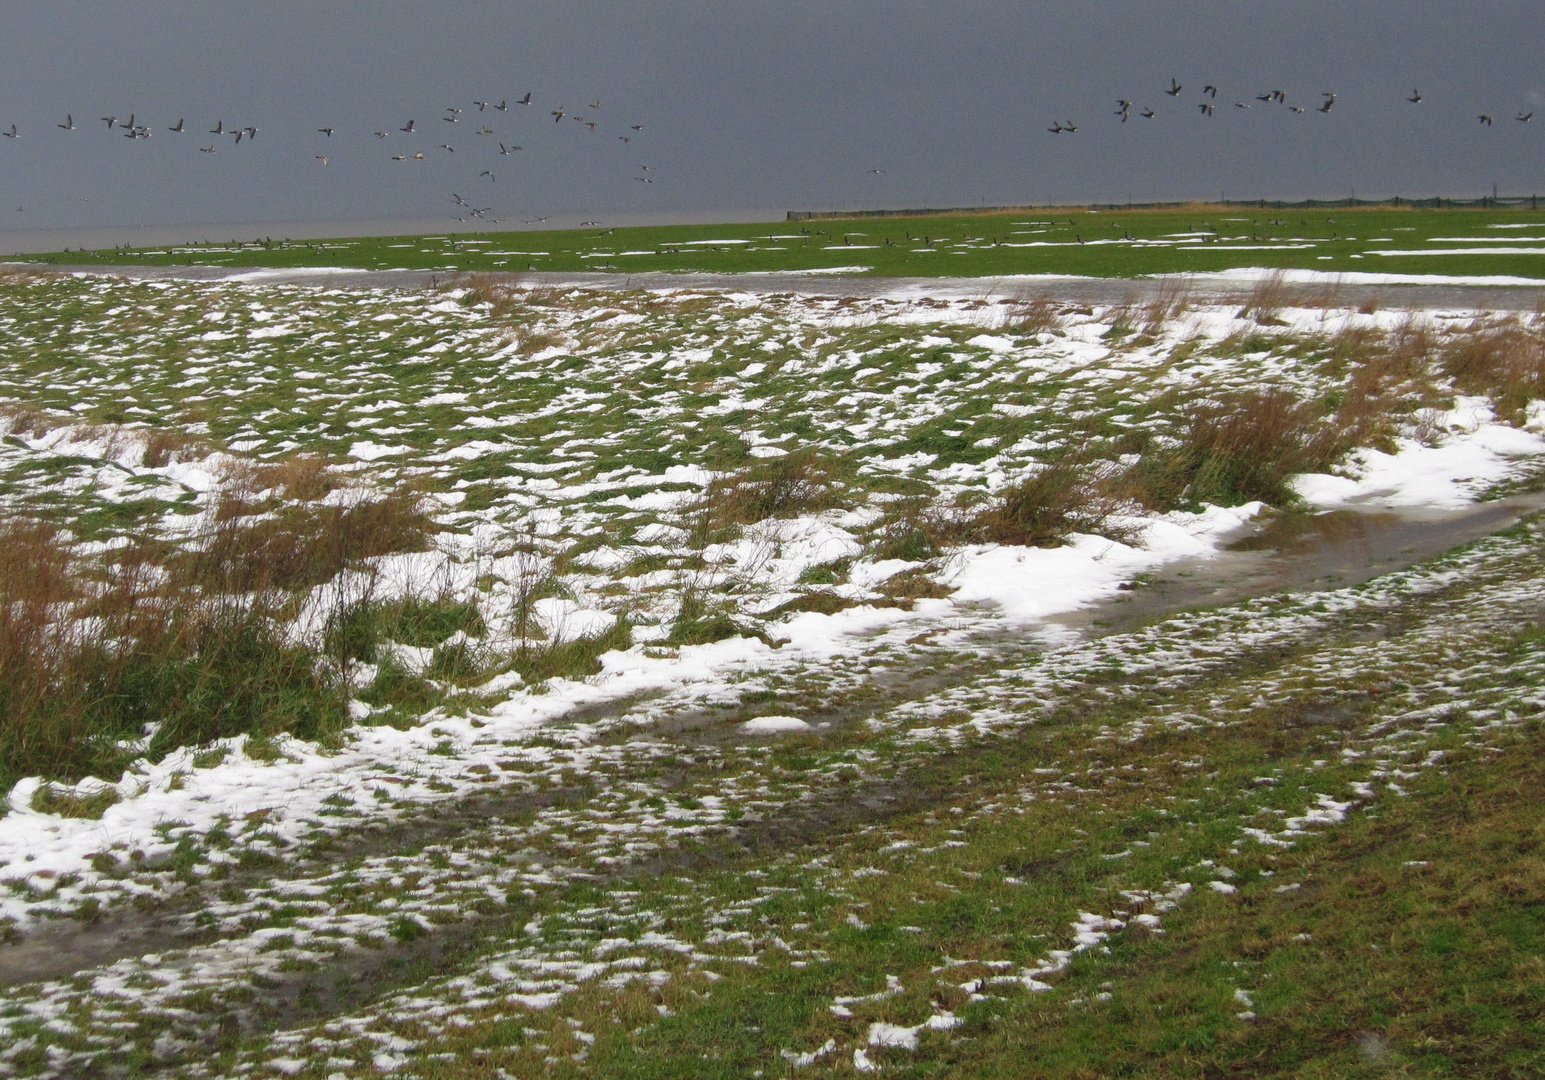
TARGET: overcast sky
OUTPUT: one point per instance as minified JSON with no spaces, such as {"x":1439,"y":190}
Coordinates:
{"x":769,"y":105}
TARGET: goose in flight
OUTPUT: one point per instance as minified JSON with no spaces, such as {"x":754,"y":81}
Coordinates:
{"x":326,"y":131}
{"x":69,"y":123}
{"x":1123,"y":106}
{"x":525,"y":100}
{"x":12,"y":134}
{"x":1524,"y":117}
{"x":408,"y":127}
{"x":1415,"y":98}
{"x":1147,"y":113}
{"x":178,"y":128}
{"x":481,"y":105}
{"x":1484,"y":119}
{"x":444,"y":146}
{"x":399,"y":157}
{"x":128,"y":123}
{"x":1241,"y":105}
{"x":1206,"y":108}
{"x":1330,"y":99}
{"x":210,"y":149}
{"x":647,"y":180}
{"x":111,"y":120}
{"x":638,"y":127}
{"x":484,"y":130}
{"x":558,"y":114}
{"x":1174,"y":88}
{"x":488,"y":173}
{"x":218,"y":129}
{"x":509,"y":149}
{"x":1272,"y":96}
{"x":459,"y":200}
{"x":1296,"y":108}
{"x":1210,"y":90}
{"x":322,"y":158}
{"x":502,"y":106}
{"x":1056,"y":127}
{"x":596,"y":104}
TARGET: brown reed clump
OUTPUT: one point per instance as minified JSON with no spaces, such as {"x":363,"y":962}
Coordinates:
{"x":1503,"y":359}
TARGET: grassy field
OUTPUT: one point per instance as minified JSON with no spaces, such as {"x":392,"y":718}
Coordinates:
{"x":1104,"y":243}
{"x":376,"y":667}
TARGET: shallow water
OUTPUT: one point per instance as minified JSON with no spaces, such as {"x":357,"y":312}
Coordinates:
{"x":1300,"y":553}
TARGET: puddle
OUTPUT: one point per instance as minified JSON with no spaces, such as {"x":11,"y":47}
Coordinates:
{"x":1299,"y":553}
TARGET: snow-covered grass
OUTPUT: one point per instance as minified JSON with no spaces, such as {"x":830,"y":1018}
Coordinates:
{"x":717,"y":718}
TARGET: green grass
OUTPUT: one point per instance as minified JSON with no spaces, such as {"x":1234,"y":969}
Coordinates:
{"x":1101,"y":243}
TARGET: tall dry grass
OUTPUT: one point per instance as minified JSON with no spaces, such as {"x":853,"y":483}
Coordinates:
{"x":1237,"y":449}
{"x":191,"y":642}
{"x":1503,"y":359}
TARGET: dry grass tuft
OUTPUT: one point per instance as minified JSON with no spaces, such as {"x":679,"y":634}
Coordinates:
{"x":802,"y":482}
{"x":1239,"y":449}
{"x":1031,"y":315}
{"x":1267,"y":299}
{"x":1503,"y":359}
{"x":1059,"y":499}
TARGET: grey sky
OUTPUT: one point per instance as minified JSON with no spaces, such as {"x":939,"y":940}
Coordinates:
{"x":750,"y":105}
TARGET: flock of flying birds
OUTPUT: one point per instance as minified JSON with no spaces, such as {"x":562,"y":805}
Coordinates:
{"x":478,"y":126}
{"x":1271,"y":97}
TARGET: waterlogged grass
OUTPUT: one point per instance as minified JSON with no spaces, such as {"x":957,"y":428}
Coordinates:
{"x":1104,"y":243}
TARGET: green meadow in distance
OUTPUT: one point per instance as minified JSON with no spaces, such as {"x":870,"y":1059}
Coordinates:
{"x":1058,"y":240}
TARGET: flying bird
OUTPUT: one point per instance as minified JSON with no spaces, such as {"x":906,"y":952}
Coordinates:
{"x":1296,"y":108}
{"x":12,"y":134}
{"x":111,"y":120}
{"x":459,"y":200}
{"x":1415,"y":98}
{"x":1330,"y":99}
{"x":408,"y":127}
{"x":326,"y":131}
{"x":502,"y":106}
{"x":1524,"y":117}
{"x":481,"y":105}
{"x":69,"y":123}
{"x":178,"y":128}
{"x":1056,"y":127}
{"x":210,"y":149}
{"x":558,"y":114}
{"x":596,"y":104}
{"x":380,"y":134}
{"x":1241,"y":105}
{"x":488,"y":173}
{"x":218,"y":129}
{"x":525,"y":100}
{"x":1484,"y":119}
{"x":444,"y":146}
{"x":1147,"y":113}
{"x":322,"y":158}
{"x":1210,"y":90}
{"x":1174,"y":88}
{"x":638,"y":127}
{"x":1206,"y":108}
